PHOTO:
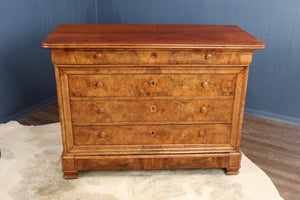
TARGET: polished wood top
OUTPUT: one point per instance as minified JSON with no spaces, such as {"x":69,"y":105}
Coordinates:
{"x":150,"y":36}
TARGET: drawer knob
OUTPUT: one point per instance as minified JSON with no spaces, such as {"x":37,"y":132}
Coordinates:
{"x":154,"y":55}
{"x":102,"y":134}
{"x":99,"y":84}
{"x":99,"y":55}
{"x":208,"y":56}
{"x":153,"y":108}
{"x":205,"y":84}
{"x":201,"y":133}
{"x":152,"y":83}
{"x":203,"y":109}
{"x":100,"y":110}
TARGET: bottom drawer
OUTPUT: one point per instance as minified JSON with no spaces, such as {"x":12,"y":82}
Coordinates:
{"x":155,"y":134}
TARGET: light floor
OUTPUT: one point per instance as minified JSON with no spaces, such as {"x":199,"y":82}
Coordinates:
{"x":274,"y":146}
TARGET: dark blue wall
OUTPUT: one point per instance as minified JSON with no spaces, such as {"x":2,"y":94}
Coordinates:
{"x":26,"y":73}
{"x":274,"y":81}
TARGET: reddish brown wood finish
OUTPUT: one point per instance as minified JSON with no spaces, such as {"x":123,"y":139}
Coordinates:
{"x":151,"y":96}
{"x":151,"y":36}
{"x":152,"y":162}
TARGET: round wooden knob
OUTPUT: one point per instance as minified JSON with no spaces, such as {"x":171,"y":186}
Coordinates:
{"x":201,"y":133}
{"x":100,"y":110}
{"x":153,"y":108}
{"x":208,"y":56}
{"x":99,"y":84}
{"x":205,"y":84}
{"x":154,"y":55}
{"x":203,"y":110}
{"x":152,"y":83}
{"x":99,"y":55}
{"x":102,"y":134}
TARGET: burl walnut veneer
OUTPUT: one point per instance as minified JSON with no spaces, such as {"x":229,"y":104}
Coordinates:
{"x":151,"y":96}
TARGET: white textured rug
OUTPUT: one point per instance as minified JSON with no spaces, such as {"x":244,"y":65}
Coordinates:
{"x":30,"y":169}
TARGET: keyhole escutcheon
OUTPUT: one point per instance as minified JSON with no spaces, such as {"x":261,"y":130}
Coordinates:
{"x":153,"y":133}
{"x":154,"y":55}
{"x":152,"y":83}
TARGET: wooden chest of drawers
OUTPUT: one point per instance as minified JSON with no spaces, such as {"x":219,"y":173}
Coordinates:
{"x":151,"y":96}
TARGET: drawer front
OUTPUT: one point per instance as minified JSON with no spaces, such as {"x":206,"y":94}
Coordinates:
{"x":150,"y":57}
{"x":159,"y":134}
{"x":101,"y":112}
{"x":151,"y":85}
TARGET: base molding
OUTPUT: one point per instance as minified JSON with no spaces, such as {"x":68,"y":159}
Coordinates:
{"x":72,"y":164}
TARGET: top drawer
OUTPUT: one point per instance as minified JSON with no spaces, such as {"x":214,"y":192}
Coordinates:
{"x":150,"y":57}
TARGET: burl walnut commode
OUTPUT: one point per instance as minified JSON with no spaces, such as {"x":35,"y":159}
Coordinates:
{"x":151,"y":96}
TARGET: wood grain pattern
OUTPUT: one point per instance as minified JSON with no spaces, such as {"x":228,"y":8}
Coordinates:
{"x":68,"y":166}
{"x":240,"y":91}
{"x":61,"y":108}
{"x":160,"y":134}
{"x":144,"y":57}
{"x":234,"y":163}
{"x":65,"y":110}
{"x":151,"y":85}
{"x":135,"y":96}
{"x":140,"y":111}
{"x":152,"y":162}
